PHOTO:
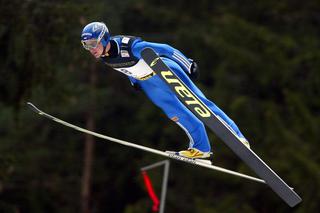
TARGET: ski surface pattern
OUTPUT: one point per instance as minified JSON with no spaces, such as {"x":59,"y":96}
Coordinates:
{"x":220,"y":128}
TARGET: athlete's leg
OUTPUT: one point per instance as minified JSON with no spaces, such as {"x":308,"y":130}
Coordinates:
{"x":162,"y":96}
{"x":214,"y":108}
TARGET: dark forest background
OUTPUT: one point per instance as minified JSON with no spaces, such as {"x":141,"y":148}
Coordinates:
{"x":259,"y":62}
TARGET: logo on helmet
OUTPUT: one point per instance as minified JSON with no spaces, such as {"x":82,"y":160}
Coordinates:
{"x":86,"y":35}
{"x":95,"y":27}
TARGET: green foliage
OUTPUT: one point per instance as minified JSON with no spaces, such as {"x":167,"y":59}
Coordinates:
{"x":259,"y":62}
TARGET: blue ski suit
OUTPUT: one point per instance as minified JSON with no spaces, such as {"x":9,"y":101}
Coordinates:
{"x":124,"y":56}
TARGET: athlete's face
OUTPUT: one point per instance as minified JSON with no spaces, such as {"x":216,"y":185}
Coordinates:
{"x":97,"y":52}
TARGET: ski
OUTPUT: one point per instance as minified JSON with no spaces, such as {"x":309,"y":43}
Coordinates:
{"x":220,"y":128}
{"x":144,"y":148}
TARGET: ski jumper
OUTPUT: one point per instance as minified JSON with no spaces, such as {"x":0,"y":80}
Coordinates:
{"x":124,"y":56}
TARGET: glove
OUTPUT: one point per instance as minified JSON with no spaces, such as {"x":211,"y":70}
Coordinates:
{"x":194,"y":70}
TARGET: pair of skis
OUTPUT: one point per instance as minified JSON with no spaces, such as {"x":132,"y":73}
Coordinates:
{"x":216,"y":124}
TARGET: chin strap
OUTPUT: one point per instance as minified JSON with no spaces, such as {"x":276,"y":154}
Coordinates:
{"x":104,"y":52}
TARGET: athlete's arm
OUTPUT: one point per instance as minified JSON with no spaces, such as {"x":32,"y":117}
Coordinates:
{"x":164,"y":50}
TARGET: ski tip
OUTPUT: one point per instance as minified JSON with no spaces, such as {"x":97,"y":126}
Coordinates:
{"x":33,"y":107}
{"x":31,"y":104}
{"x":147,"y":49}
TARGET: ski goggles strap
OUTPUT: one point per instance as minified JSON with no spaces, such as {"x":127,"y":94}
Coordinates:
{"x":90,"y":44}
